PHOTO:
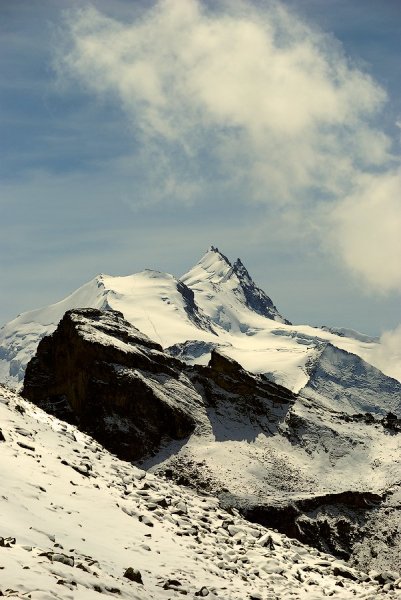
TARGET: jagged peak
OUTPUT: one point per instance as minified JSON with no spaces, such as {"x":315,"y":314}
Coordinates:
{"x":214,"y":266}
{"x":214,"y":269}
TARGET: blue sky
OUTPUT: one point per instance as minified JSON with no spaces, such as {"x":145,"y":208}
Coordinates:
{"x":136,"y":134}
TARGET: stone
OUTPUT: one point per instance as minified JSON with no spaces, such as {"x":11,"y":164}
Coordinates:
{"x":145,"y":520}
{"x":62,"y":558}
{"x":266,"y":541}
{"x":344,"y":571}
{"x":133,"y":575}
{"x":386,"y":577}
{"x":175,"y":585}
{"x":7,"y":542}
{"x":180,"y":508}
{"x":26,"y":446}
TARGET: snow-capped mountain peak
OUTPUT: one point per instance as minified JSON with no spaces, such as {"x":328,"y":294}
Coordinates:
{"x":213,"y":267}
{"x":225,"y":290}
{"x":216,"y":303}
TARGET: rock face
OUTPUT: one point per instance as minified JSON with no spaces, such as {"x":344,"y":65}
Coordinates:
{"x":100,"y":372}
{"x":231,"y":377}
{"x":332,"y":522}
{"x":255,"y":298}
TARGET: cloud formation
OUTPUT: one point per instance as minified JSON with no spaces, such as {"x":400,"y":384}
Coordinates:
{"x":388,"y":353}
{"x":250,"y":102}
{"x":366,"y":228}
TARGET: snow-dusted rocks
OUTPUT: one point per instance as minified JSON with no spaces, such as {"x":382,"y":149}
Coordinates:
{"x":70,"y":536}
{"x":305,"y":465}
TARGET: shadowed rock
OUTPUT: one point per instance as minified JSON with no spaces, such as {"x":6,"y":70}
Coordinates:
{"x":100,"y":372}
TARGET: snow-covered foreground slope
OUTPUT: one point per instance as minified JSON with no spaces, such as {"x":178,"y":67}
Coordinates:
{"x":74,"y":518}
{"x":215,"y":304}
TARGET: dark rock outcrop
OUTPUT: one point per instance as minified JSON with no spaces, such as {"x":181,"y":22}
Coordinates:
{"x":133,"y":575}
{"x":331,"y":522}
{"x":100,"y":372}
{"x":231,"y":377}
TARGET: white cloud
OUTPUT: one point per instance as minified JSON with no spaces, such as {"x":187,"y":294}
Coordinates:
{"x":366,"y":230}
{"x":260,"y":83}
{"x":388,"y":354}
{"x":255,"y":101}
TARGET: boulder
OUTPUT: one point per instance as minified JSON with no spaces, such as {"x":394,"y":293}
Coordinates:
{"x":133,"y":575}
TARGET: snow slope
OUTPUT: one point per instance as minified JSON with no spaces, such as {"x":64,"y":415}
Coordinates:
{"x":343,"y":381}
{"x":74,"y":518}
{"x":157,"y":303}
{"x":278,"y":457}
{"x":216,"y":303}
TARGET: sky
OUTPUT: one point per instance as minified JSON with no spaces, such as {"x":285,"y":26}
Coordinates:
{"x":135,"y":134}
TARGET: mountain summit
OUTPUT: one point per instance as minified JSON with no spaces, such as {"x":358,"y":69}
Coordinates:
{"x":212,"y":268}
{"x":224,"y":290}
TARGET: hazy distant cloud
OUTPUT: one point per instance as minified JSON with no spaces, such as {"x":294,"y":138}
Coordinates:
{"x":257,"y":102}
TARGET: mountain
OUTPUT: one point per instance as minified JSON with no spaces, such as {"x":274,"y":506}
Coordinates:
{"x":215,"y":304}
{"x":341,"y":380}
{"x":203,"y":383}
{"x":307,"y":464}
{"x":227,"y":293}
{"x":77,"y":522}
{"x":100,"y":372}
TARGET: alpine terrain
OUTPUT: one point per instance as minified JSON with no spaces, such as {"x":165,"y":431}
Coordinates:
{"x":171,"y":437}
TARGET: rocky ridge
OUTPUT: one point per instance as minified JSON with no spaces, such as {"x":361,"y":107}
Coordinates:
{"x":102,"y":373}
{"x":283,"y":460}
